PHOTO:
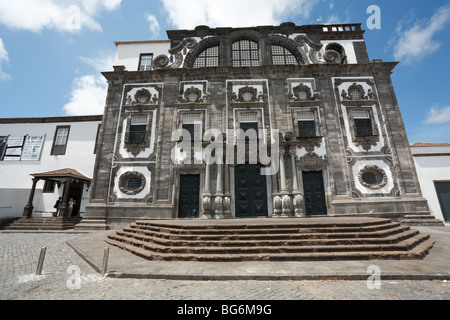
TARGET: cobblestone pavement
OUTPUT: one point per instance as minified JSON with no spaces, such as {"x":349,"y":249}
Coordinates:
{"x":66,"y":276}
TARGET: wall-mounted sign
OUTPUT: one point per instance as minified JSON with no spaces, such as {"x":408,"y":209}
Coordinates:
{"x":32,"y":148}
{"x":13,"y":148}
{"x":15,"y":141}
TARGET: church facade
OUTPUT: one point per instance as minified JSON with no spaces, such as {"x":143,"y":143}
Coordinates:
{"x":269,"y":121}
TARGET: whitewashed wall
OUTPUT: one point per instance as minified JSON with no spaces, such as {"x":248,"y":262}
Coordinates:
{"x":128,"y":54}
{"x":432,"y":167}
{"x":15,"y":178}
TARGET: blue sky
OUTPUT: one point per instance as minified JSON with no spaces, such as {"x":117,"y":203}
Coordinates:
{"x":52,"y":51}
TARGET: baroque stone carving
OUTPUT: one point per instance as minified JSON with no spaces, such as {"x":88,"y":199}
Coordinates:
{"x":286,"y":206}
{"x":177,"y":55}
{"x":277,"y":206}
{"x":312,"y":162}
{"x":142,"y":96}
{"x":310,"y":51}
{"x":298,"y":206}
{"x":247,"y":94}
{"x":301,"y":93}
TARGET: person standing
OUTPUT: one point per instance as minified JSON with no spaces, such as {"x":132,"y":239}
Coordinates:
{"x":56,"y":206}
{"x":70,"y":207}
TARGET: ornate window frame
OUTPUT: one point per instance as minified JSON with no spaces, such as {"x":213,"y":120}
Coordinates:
{"x":378,"y":172}
{"x":123,"y":182}
{"x":296,"y":112}
{"x":366,"y":142}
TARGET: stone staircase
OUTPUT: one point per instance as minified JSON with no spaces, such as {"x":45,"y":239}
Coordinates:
{"x":50,"y":223}
{"x":422,"y":219}
{"x":272,"y":239}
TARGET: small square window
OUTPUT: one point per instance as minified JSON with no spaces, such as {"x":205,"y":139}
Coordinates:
{"x":145,"y":63}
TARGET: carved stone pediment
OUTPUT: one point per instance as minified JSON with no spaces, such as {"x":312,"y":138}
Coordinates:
{"x":247,"y":94}
{"x":312,"y":162}
{"x":301,"y":93}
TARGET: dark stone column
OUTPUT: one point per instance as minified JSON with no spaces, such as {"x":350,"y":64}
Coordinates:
{"x":28,"y":210}
{"x":63,"y":208}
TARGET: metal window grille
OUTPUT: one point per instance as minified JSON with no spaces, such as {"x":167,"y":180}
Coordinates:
{"x":138,"y":129}
{"x":208,"y":58}
{"x":134,"y":183}
{"x":371,"y":178}
{"x":249,"y":117}
{"x":192,"y":123}
{"x":246,"y":126}
{"x":245,"y":54}
{"x":306,"y":124}
{"x":281,"y":55}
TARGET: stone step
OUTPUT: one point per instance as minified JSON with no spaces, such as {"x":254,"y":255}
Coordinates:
{"x":321,"y":246}
{"x":396,"y":228}
{"x":316,"y":239}
{"x":285,"y":241}
{"x":92,"y":224}
{"x":418,"y":252}
{"x":43,"y":224}
{"x":263,"y":229}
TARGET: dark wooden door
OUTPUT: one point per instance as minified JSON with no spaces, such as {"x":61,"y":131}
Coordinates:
{"x":250,"y":191}
{"x":443,"y":193}
{"x":314,"y":193}
{"x":188,"y":206}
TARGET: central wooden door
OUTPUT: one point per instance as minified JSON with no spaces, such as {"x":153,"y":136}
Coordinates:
{"x":314,"y":193}
{"x":250,"y":191}
{"x":188,"y":206}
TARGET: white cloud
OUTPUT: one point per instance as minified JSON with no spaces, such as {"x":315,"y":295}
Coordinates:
{"x":438,"y":115}
{"x":67,"y":15}
{"x":416,"y":42}
{"x":3,"y":58}
{"x":234,"y":13}
{"x":153,"y":24}
{"x":89,"y":91}
{"x":88,"y":96}
{"x":103,"y":62}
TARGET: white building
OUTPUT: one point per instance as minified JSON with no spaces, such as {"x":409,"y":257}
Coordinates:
{"x":30,"y":146}
{"x":432,"y":162}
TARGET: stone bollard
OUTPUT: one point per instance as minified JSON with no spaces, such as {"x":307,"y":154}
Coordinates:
{"x":41,"y":261}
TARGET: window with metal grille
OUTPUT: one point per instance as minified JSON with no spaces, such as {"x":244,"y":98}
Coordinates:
{"x":138,"y":128}
{"x":192,"y":123}
{"x":281,"y":55}
{"x":60,"y":140}
{"x":134,"y":183}
{"x":363,"y":124}
{"x":247,"y":121}
{"x":245,"y":53}
{"x":145,"y":63}
{"x":372,"y":178}
{"x":208,"y":58}
{"x":246,"y":126}
{"x":306,"y":125}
